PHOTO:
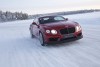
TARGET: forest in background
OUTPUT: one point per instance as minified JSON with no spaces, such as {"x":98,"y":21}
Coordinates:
{"x":10,"y":16}
{"x":13,"y":16}
{"x":66,"y":13}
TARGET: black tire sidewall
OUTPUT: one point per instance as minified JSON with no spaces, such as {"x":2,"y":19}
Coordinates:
{"x":42,"y":39}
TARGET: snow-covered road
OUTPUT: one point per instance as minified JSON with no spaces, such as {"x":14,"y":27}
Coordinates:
{"x":17,"y":49}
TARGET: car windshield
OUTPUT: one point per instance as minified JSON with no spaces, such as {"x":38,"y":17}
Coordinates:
{"x":50,"y":19}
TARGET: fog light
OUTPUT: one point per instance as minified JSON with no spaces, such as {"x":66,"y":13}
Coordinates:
{"x":47,"y":31}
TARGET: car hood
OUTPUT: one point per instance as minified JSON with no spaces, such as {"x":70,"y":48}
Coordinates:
{"x":61,"y":24}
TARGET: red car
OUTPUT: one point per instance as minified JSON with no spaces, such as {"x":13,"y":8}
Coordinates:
{"x":50,"y":29}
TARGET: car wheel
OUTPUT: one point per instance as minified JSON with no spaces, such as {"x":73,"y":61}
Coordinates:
{"x":32,"y":36}
{"x":41,"y":39}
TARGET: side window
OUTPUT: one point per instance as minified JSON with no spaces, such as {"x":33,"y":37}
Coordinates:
{"x":47,"y":18}
{"x":58,"y":18}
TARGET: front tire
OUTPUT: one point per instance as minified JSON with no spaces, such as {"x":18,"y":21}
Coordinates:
{"x":41,"y":39}
{"x":32,"y":36}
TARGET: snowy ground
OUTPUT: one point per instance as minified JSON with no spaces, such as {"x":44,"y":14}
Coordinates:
{"x":17,"y":49}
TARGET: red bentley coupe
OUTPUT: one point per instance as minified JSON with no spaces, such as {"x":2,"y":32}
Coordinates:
{"x":50,"y":29}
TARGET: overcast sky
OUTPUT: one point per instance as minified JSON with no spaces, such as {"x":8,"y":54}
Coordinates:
{"x":47,"y":6}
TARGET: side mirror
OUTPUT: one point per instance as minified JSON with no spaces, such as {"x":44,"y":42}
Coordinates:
{"x":35,"y":24}
{"x":66,"y":18}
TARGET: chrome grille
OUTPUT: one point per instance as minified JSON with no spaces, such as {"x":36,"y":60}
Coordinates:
{"x":67,"y":30}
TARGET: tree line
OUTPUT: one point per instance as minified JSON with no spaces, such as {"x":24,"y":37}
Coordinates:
{"x":66,"y":13}
{"x":9,"y":16}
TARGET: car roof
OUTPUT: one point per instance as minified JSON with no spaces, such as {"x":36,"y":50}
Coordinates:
{"x":48,"y":16}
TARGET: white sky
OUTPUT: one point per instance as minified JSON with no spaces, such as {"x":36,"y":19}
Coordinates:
{"x":47,"y":6}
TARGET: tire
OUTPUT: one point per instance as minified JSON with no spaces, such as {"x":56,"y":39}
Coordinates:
{"x":41,"y":39}
{"x":32,"y":36}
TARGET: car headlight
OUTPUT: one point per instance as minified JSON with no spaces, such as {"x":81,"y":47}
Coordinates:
{"x":47,"y":31}
{"x":53,"y":31}
{"x":78,"y":28}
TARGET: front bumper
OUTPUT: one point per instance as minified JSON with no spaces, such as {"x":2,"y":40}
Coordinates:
{"x":61,"y":39}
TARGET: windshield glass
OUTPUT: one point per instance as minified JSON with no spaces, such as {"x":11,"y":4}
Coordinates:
{"x":50,"y":19}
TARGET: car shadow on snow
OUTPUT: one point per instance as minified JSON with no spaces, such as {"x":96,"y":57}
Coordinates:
{"x":36,"y":43}
{"x":64,"y":43}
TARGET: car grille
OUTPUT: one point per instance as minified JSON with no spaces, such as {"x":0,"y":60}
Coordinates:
{"x":67,"y":30}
